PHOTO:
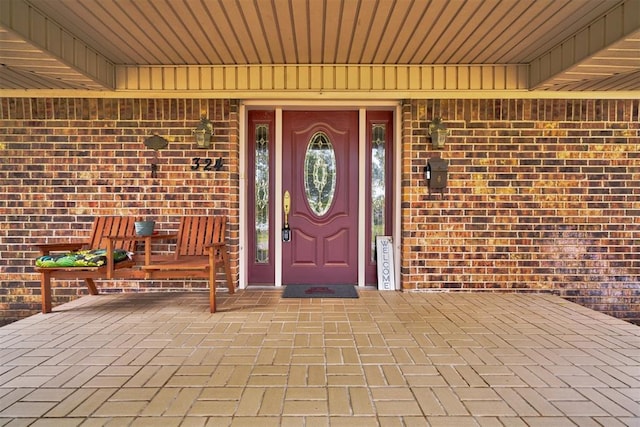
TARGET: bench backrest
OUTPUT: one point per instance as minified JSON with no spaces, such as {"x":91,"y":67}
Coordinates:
{"x":104,"y":226}
{"x":196,"y":232}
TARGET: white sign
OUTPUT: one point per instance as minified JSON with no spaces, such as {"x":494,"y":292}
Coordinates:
{"x":384,"y":251}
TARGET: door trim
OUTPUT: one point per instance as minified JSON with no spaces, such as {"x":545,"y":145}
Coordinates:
{"x":278,"y":107}
{"x":362,"y":201}
{"x":278,"y":200}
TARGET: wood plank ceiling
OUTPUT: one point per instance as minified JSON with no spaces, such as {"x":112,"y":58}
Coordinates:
{"x":579,"y":45}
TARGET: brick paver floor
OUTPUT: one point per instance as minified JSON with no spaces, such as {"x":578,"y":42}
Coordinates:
{"x":385,"y":359}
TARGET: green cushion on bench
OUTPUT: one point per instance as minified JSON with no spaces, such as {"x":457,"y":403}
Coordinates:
{"x":84,"y":258}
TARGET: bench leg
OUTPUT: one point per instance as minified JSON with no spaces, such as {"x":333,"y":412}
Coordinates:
{"x":92,"y":286}
{"x":227,"y":271}
{"x":45,"y":290}
{"x":212,"y":289}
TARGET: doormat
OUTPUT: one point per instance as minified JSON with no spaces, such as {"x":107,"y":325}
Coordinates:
{"x":320,"y":291}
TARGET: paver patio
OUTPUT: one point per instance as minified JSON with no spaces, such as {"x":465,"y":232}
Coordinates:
{"x":385,"y":359}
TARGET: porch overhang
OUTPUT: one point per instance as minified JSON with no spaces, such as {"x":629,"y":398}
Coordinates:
{"x":74,"y":48}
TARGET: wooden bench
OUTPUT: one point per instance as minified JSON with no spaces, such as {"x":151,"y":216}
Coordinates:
{"x":200,"y":250}
{"x":101,"y":232}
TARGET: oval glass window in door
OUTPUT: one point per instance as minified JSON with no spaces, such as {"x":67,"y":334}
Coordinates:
{"x":320,"y":173}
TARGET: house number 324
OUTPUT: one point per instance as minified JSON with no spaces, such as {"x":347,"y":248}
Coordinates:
{"x":206,"y":164}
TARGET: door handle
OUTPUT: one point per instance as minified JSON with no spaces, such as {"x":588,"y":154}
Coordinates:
{"x":286,"y":207}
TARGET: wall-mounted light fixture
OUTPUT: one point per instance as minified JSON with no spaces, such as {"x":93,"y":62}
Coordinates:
{"x":438,"y":132}
{"x":203,"y":133}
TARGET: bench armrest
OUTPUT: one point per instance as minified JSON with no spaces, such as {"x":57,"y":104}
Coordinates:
{"x":46,"y":248}
{"x":111,"y":264}
{"x":216,"y":245}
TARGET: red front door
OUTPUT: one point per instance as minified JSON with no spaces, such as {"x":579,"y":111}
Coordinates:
{"x":320,"y":172}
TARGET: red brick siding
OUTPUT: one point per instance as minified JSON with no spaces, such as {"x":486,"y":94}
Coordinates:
{"x":542,"y":195}
{"x":64,"y":161}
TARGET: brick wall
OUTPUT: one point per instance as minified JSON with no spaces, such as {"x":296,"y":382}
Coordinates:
{"x":542,"y":195}
{"x":64,"y":161}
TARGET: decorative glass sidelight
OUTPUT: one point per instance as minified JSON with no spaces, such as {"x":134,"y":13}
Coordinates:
{"x":378,"y":184}
{"x":262,"y":194}
{"x":320,"y":173}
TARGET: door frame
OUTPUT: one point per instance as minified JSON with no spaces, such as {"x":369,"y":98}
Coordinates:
{"x":278,"y":107}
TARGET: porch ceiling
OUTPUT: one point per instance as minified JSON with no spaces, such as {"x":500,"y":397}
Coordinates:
{"x":576,"y":45}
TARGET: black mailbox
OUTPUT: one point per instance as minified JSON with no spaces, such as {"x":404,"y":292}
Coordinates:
{"x":435,"y":173}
